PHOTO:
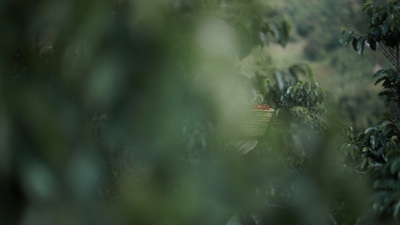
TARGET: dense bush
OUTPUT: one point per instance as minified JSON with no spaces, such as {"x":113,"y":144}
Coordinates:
{"x":376,"y":150}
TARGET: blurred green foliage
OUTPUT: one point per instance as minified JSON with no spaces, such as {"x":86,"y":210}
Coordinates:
{"x":126,"y":112}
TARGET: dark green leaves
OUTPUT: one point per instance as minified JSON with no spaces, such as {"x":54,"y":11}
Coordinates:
{"x":346,"y":37}
{"x":391,"y":83}
{"x":293,"y":91}
{"x":383,"y":27}
{"x":358,"y":44}
{"x":294,"y":72}
{"x":395,"y":166}
{"x":303,"y":69}
{"x":278,"y":28}
{"x":372,"y":44}
{"x":396,"y":212}
{"x":380,"y":72}
{"x":285,"y":30}
{"x":357,"y":41}
{"x":280,"y":80}
{"x":367,"y":5}
{"x":375,"y":144}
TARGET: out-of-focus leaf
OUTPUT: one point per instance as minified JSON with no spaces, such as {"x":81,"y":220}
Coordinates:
{"x":280,"y":80}
{"x":396,"y":212}
{"x":395,"y":166}
{"x":367,"y":4}
{"x":364,"y":163}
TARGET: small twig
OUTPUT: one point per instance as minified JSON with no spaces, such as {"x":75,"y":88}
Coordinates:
{"x":397,"y":58}
{"x":388,"y":55}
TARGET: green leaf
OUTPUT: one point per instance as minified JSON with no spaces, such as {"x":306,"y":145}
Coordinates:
{"x":377,"y":184}
{"x":370,"y":161}
{"x":376,"y":164}
{"x":361,"y":45}
{"x":380,"y":80}
{"x":375,"y":18}
{"x":379,"y":73}
{"x":395,"y":167}
{"x":363,"y":163}
{"x":291,"y":74}
{"x":289,"y":90}
{"x":386,"y":131}
{"x":368,"y":130}
{"x":370,"y":11}
{"x":304,"y":69}
{"x":344,"y":148}
{"x":385,"y":26}
{"x":386,"y":123}
{"x":373,"y":141}
{"x":285,"y":30}
{"x":372,"y":44}
{"x":280,"y":80}
{"x":276,"y":32}
{"x":346,"y":37}
{"x":392,"y":22}
{"x":396,"y":213}
{"x":386,"y":93}
{"x":354,"y":43}
{"x":342,"y":37}
{"x":352,"y":153}
{"x":380,"y":151}
{"x":367,"y":5}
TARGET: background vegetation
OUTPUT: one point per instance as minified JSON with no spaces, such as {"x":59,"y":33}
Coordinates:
{"x":314,"y":40}
{"x":130,"y":112}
